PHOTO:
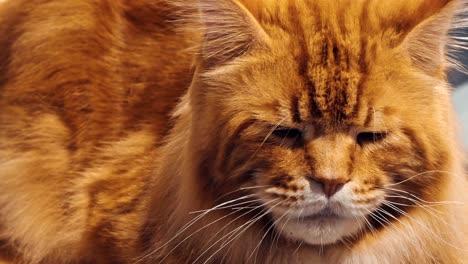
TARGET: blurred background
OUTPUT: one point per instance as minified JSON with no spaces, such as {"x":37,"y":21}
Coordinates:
{"x":460,"y":82}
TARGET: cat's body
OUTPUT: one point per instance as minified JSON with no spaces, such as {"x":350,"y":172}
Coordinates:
{"x":92,"y":169}
{"x":95,"y":102}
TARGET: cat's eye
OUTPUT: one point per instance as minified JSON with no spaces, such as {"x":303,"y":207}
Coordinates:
{"x":370,"y":137}
{"x":287,"y":133}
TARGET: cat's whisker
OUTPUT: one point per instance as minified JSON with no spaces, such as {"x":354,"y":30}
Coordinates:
{"x":229,"y":247}
{"x":424,"y":201}
{"x":425,"y":227}
{"x":225,"y":226}
{"x":361,"y":227}
{"x":365,"y":227}
{"x":244,"y":207}
{"x":267,"y":137}
{"x":368,"y":224}
{"x":379,"y":219}
{"x":298,"y":247}
{"x":284,"y":138}
{"x":416,"y":204}
{"x":256,"y":221}
{"x":393,"y":205}
{"x":321,"y":246}
{"x":266,"y":233}
{"x":241,"y":189}
{"x":188,"y":225}
{"x":380,"y":210}
{"x":427,"y":208}
{"x":420,"y":174}
{"x":277,"y":234}
{"x":242,"y":229}
{"x":257,"y":247}
{"x":255,"y":187}
{"x":195,"y":232}
{"x":282,"y":228}
{"x":232,"y":206}
{"x":345,"y":242}
{"x":228,"y":224}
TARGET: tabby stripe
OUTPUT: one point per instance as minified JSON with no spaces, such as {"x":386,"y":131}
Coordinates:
{"x":296,"y":114}
{"x":308,"y":158}
{"x":324,"y":53}
{"x":303,"y":60}
{"x":363,"y":66}
{"x":224,"y":155}
{"x":336,"y":54}
{"x":363,"y":50}
{"x":368,"y":117}
{"x":351,"y":154}
{"x":416,"y":143}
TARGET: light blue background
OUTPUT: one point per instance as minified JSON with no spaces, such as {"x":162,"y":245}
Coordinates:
{"x":460,"y":99}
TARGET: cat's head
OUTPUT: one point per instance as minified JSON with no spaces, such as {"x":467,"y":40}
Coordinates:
{"x":332,"y":115}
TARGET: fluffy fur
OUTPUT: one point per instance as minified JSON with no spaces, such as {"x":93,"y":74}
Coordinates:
{"x":305,"y":132}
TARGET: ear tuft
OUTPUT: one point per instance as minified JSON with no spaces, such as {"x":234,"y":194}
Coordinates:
{"x":432,"y":40}
{"x":230,"y":30}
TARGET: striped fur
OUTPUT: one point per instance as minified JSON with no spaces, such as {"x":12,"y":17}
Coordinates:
{"x":120,"y":120}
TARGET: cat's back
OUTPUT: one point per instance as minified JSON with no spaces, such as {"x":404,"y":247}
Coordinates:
{"x":86,"y":91}
{"x":110,"y":64}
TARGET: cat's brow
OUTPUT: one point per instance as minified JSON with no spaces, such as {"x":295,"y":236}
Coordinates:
{"x":295,"y":113}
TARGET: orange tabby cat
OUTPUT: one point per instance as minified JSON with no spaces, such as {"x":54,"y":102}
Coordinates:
{"x":307,"y":131}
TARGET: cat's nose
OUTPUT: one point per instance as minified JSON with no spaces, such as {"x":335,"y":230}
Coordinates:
{"x":330,"y":186}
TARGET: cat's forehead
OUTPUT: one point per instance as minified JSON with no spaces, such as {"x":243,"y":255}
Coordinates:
{"x":335,"y":48}
{"x":332,"y":58}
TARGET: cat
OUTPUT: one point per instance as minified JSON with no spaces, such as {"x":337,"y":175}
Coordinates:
{"x":225,"y":131}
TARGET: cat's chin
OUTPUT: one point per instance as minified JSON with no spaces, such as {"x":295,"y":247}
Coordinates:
{"x":318,"y":229}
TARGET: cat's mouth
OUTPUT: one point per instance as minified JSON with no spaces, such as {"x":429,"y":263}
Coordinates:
{"x":320,"y":228}
{"x":321,"y":216}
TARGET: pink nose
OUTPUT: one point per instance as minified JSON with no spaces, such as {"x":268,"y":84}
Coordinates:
{"x":331,"y":186}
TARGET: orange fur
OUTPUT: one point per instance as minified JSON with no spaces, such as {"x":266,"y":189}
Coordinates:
{"x":276,"y":103}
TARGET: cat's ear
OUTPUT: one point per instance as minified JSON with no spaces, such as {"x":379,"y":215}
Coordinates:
{"x":429,"y":40}
{"x":230,"y":30}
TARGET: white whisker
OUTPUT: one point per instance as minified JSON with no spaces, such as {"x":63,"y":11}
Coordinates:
{"x":243,"y":228}
{"x":188,"y":225}
{"x":233,"y":206}
{"x":266,"y":233}
{"x":420,"y":174}
{"x":424,"y":201}
{"x":425,"y":227}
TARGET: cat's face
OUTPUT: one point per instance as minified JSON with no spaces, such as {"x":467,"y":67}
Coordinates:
{"x":331,"y":129}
